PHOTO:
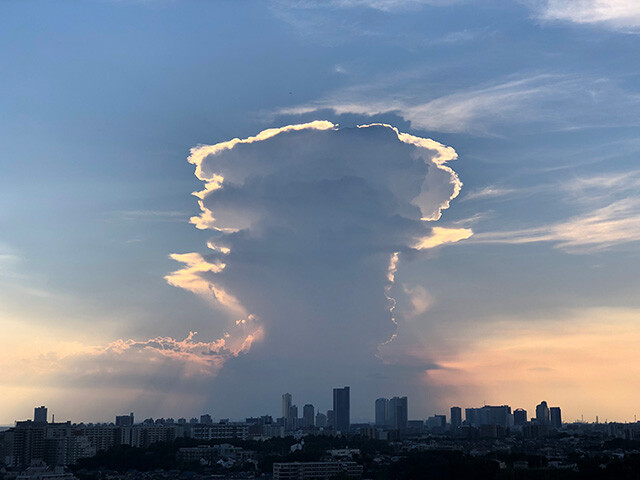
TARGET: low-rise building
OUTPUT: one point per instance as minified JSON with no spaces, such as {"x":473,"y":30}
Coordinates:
{"x":315,"y":470}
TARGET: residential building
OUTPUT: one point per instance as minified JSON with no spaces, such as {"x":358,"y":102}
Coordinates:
{"x":40,"y":414}
{"x":315,"y":470}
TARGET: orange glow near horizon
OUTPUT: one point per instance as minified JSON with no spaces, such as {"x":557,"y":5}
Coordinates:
{"x":589,"y":367}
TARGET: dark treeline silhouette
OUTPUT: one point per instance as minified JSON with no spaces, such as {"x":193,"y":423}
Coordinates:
{"x":432,"y":464}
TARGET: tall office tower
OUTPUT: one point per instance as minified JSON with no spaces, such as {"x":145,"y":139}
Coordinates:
{"x":456,"y":417}
{"x":341,"y":407}
{"x":382,"y":412}
{"x":542,"y":414}
{"x":286,"y":404}
{"x":556,"y":417}
{"x":40,"y":414}
{"x":308,"y":413}
{"x":398,"y":413}
{"x":519,"y":416}
{"x":321,"y":420}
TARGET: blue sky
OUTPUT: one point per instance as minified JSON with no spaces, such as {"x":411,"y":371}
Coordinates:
{"x":103,"y":100}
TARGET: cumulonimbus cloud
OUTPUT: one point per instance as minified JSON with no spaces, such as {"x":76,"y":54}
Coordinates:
{"x":308,"y":224}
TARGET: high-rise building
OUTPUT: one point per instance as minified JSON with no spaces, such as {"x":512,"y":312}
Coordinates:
{"x":519,"y":416}
{"x":542,"y":414}
{"x":341,"y":409}
{"x":437,"y":422}
{"x":286,"y":404}
{"x":398,"y":413}
{"x":28,"y":443}
{"x":489,"y":415}
{"x":40,"y":414}
{"x":331,"y":419}
{"x":555,"y":417}
{"x":456,"y":417}
{"x":382,"y":412}
{"x":321,"y":420}
{"x":308,"y":413}
{"x":292,"y":419}
{"x":470,"y":415}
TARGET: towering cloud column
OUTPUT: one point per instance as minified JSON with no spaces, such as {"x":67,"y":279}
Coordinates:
{"x":308,"y":223}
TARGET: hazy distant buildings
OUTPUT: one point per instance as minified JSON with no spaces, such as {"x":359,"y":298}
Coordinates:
{"x":286,"y":405}
{"x":308,"y":414}
{"x":489,"y":415}
{"x":341,"y":409}
{"x":398,"y":413}
{"x":125,"y":420}
{"x":519,"y":417}
{"x":206,"y":419}
{"x":436,"y":422}
{"x":291,"y":422}
{"x":456,"y":417}
{"x":382,"y":412}
{"x":470,"y":416}
{"x":40,"y":414}
{"x":321,"y":420}
{"x":555,"y":417}
{"x":542,"y":414}
{"x":331,"y":419}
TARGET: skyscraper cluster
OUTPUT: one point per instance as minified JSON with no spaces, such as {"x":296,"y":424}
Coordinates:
{"x":392,"y":413}
{"x":339,"y":418}
{"x":546,"y":419}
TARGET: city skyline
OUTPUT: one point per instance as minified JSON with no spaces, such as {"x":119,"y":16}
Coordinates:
{"x":395,"y":414}
{"x":206,"y":205}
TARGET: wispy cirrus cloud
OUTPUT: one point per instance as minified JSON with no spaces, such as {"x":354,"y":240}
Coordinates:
{"x":612,"y":225}
{"x":546,"y":102}
{"x":490,"y":191}
{"x":610,"y":216}
{"x":152,"y":215}
{"x":384,"y":5}
{"x":617,"y":14}
{"x":14,"y":277}
{"x":604,"y":186}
